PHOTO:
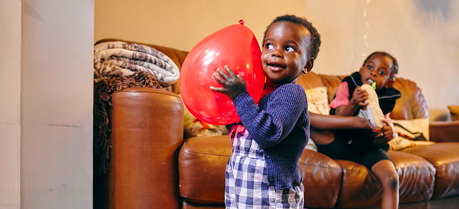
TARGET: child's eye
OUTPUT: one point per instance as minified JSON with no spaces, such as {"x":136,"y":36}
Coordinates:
{"x":269,"y":46}
{"x":381,"y":72}
{"x":369,"y":67}
{"x":289,"y":49}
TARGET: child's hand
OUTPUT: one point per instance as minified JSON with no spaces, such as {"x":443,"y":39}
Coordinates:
{"x":359,"y":97}
{"x":233,"y":85}
{"x":385,"y":134}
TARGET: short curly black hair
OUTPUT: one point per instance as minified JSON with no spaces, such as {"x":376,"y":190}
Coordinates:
{"x":394,"y":69}
{"x":315,"y":36}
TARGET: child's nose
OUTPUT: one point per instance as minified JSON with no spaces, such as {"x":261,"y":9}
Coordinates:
{"x":276,"y":53}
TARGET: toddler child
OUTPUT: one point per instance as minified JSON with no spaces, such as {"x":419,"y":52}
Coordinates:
{"x":364,"y":146}
{"x":263,"y":170}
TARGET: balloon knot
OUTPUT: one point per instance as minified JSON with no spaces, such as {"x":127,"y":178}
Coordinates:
{"x":241,"y":22}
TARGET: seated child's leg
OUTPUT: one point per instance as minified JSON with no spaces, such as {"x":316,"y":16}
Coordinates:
{"x":384,"y":169}
{"x":321,"y":137}
{"x":334,"y":148}
{"x":386,"y":173}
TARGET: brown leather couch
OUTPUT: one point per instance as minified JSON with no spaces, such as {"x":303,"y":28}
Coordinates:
{"x":153,"y":166}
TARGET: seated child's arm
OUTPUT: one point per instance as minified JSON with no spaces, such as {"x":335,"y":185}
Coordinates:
{"x":357,"y":100}
{"x":333,"y":122}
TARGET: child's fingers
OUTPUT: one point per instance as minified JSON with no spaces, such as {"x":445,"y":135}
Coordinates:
{"x":360,"y":91}
{"x":363,"y":104}
{"x":389,"y":134}
{"x":230,"y":72}
{"x":218,"y":78}
{"x":365,"y":96}
{"x":363,"y":90}
{"x":385,"y":122}
{"x":379,"y":134}
{"x":218,"y":89}
{"x":383,"y":129}
{"x":361,"y":97}
{"x":222,"y":74}
{"x":384,"y":133}
{"x":387,"y":131}
{"x":239,"y":77}
{"x":359,"y":94}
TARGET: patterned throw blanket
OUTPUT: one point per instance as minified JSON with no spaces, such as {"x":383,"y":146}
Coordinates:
{"x":114,"y":59}
{"x":119,"y":65}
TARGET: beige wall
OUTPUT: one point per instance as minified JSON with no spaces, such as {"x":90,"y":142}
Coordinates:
{"x":421,"y":34}
{"x":46,"y":103}
{"x":10,"y":104}
{"x":57,"y":95}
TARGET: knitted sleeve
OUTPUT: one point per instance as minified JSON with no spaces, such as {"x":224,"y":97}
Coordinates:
{"x":270,"y":125}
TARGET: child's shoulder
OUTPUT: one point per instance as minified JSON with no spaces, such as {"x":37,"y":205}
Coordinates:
{"x":355,"y":77}
{"x":290,"y":88}
{"x":389,"y":93}
{"x":289,"y":92}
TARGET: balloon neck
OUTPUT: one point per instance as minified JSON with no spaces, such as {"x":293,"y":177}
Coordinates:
{"x":241,"y":22}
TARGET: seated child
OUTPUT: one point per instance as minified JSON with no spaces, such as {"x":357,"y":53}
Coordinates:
{"x":352,"y":96}
{"x":364,"y":146}
{"x":263,"y":169}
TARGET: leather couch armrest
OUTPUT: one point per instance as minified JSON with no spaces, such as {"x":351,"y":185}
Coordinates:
{"x":444,"y":131}
{"x":147,"y":133}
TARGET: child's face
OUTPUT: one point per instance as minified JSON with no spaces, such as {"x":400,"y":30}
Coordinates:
{"x":377,"y":69}
{"x":284,"y":54}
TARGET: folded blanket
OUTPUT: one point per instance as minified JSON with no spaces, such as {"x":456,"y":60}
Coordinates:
{"x":113,"y":59}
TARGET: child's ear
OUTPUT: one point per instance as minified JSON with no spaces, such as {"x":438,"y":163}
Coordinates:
{"x":390,"y":83}
{"x":308,"y":66}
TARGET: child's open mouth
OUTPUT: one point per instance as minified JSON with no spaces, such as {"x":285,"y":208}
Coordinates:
{"x":275,"y":66}
{"x":369,"y":81}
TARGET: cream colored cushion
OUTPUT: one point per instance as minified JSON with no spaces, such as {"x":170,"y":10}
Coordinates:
{"x":317,"y":103}
{"x":410,"y":133}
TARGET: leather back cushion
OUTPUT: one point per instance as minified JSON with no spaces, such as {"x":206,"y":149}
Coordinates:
{"x":410,"y":106}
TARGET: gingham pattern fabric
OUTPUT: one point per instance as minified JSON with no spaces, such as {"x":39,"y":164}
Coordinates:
{"x":247,"y":178}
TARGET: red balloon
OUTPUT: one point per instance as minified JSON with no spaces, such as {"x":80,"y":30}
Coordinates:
{"x":235,"y":46}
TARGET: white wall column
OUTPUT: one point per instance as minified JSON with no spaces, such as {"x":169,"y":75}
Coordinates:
{"x":10,"y":104}
{"x":57,"y":99}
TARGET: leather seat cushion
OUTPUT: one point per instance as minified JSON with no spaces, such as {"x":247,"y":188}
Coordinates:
{"x":361,"y":188}
{"x":321,"y":179}
{"x":445,"y":158}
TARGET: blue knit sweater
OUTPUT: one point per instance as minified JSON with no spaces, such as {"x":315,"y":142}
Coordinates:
{"x":280,"y":125}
